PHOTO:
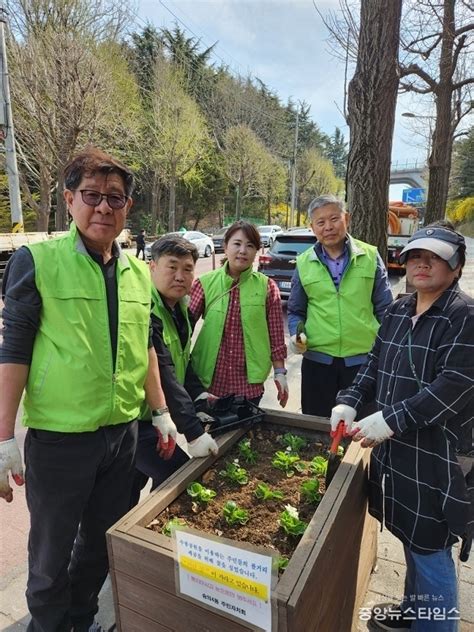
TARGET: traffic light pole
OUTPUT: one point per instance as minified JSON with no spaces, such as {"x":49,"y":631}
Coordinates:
{"x":6,"y":131}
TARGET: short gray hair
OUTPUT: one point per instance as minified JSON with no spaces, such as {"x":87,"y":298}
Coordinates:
{"x":325,"y":200}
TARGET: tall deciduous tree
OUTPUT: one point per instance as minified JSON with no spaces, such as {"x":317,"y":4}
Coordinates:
{"x":437,"y":42}
{"x":272,"y":182}
{"x":60,"y":89}
{"x":315,"y":176}
{"x":177,"y":132}
{"x":435,"y":60}
{"x":371,"y":116}
{"x":243,"y":163}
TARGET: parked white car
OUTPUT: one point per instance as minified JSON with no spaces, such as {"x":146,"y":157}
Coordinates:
{"x":268,"y":234}
{"x":203,"y":243}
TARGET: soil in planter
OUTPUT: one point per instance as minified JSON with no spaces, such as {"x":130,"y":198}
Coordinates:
{"x":263,"y":528}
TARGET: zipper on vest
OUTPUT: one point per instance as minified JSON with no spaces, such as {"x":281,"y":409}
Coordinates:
{"x":111,"y":359}
{"x":340,"y":319}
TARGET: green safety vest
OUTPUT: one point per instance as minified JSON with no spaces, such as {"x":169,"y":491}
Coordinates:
{"x":171,"y":337}
{"x":172,"y":341}
{"x":72,"y":385}
{"x":253,"y":313}
{"x":340,"y":322}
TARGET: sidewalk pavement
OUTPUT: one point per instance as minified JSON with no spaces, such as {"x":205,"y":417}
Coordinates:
{"x":386,"y":583}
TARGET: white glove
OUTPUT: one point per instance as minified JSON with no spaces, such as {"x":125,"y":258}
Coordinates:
{"x":167,"y":431}
{"x":372,"y":429}
{"x":282,"y":387}
{"x":10,"y":461}
{"x":207,"y":396}
{"x":298,"y":343}
{"x":203,"y":446}
{"x":344,"y":413}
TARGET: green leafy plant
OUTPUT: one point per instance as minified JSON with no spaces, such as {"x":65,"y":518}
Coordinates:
{"x":318,"y":465}
{"x":234,"y":473}
{"x":233,"y":514}
{"x":289,"y":463}
{"x":263,"y":492}
{"x":310,"y":490}
{"x":174,"y":522}
{"x":200,"y":493}
{"x":246,"y":452}
{"x":290,"y":522}
{"x":294,"y":442}
{"x":282,"y":562}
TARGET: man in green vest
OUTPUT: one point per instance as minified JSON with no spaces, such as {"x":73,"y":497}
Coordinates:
{"x":172,"y":264}
{"x":76,"y":339}
{"x":339,"y":293}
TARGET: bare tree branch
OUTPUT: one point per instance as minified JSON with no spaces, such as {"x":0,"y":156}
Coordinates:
{"x":414,"y":69}
{"x":464,"y":82}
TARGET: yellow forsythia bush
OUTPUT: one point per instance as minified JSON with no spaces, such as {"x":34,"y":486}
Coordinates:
{"x":461,"y":211}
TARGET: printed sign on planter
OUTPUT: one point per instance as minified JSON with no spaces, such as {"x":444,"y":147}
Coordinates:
{"x":236,"y":580}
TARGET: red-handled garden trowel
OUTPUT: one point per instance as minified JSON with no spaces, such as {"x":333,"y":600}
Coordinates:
{"x":334,"y":459}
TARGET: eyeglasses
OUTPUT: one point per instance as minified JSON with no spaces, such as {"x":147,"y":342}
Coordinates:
{"x":94,"y":198}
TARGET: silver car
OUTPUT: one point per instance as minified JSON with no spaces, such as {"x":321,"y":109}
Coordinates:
{"x":203,"y":243}
{"x":268,"y":234}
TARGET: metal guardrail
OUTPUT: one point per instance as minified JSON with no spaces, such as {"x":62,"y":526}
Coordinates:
{"x":407,"y":166}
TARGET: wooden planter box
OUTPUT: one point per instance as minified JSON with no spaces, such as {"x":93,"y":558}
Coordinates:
{"x":322,"y":588}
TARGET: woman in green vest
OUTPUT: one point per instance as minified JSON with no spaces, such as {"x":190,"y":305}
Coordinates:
{"x":242,"y":334}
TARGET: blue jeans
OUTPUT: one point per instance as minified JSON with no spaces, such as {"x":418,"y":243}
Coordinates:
{"x":431,"y":597}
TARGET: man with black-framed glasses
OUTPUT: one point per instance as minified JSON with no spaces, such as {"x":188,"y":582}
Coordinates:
{"x":77,"y":340}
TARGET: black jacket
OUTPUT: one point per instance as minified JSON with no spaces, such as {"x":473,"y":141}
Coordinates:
{"x":416,"y":483}
{"x":179,"y":398}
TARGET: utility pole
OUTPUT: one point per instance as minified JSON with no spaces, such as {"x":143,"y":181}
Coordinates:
{"x":6,"y":131}
{"x":293,"y":175}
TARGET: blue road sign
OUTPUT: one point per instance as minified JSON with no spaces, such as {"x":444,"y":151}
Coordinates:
{"x":414,"y":196}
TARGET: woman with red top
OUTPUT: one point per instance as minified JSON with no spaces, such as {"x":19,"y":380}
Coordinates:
{"x":242,"y":334}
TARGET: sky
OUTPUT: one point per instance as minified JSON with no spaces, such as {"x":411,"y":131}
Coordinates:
{"x":285,"y":44}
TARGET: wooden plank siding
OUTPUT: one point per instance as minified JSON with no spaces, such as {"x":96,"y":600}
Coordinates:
{"x":321,"y":589}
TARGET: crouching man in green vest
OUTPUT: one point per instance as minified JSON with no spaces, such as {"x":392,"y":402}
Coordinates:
{"x":172,"y":266}
{"x":339,"y":293}
{"x":76,"y":338}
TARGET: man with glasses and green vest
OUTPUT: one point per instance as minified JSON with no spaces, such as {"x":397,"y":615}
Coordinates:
{"x":172,"y":266}
{"x":76,"y":339}
{"x":339,"y":293}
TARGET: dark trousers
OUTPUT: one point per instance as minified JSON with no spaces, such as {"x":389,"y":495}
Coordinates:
{"x":140,"y":249}
{"x":149,"y":464}
{"x":77,"y":486}
{"x":320,"y":384}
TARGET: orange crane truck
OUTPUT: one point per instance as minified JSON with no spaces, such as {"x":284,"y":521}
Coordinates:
{"x":402,"y":223}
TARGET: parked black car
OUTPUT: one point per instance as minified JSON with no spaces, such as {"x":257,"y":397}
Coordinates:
{"x":218,"y":239}
{"x":280,"y":261}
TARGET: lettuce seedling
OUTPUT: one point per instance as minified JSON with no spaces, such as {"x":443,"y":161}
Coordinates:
{"x":289,"y":463}
{"x":310,"y":490}
{"x":282,"y":562}
{"x":246,"y":452}
{"x":290,"y":522}
{"x":263,"y":492}
{"x":318,"y":465}
{"x":233,"y":514}
{"x":234,"y":473}
{"x":174,"y":522}
{"x":200,"y":493}
{"x":294,"y":442}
